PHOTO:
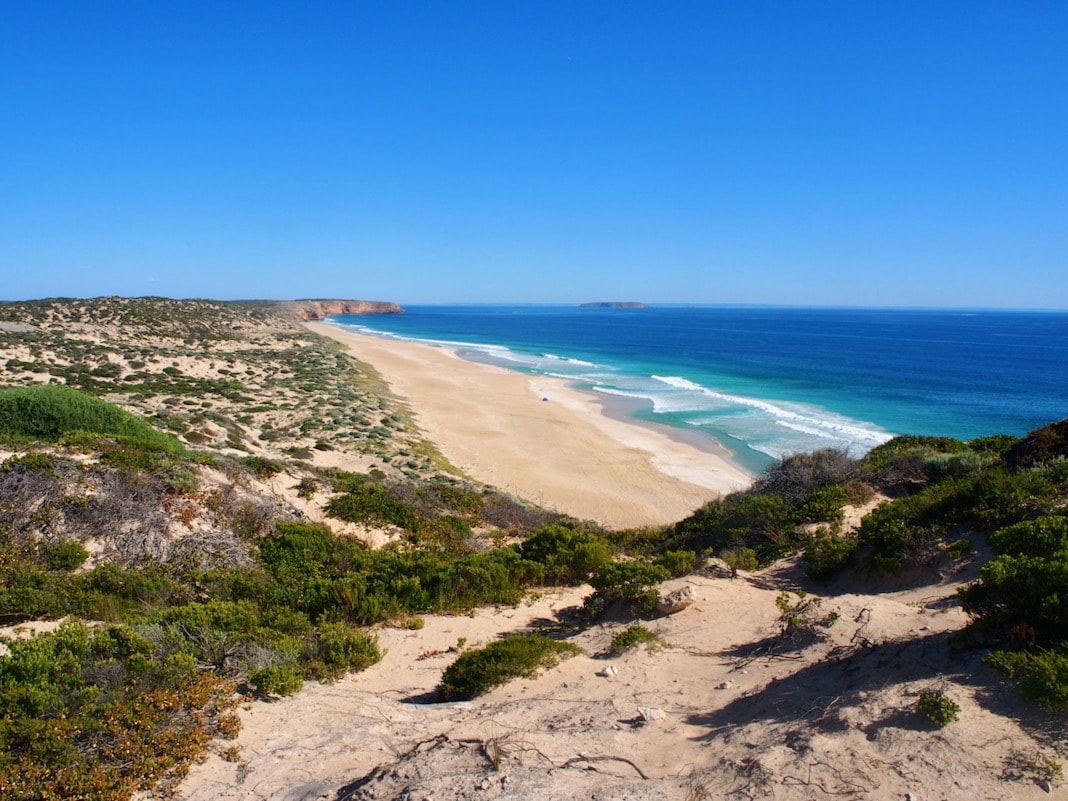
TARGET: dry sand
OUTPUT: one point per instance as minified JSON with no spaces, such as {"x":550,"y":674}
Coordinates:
{"x":564,"y":453}
{"x":741,"y":714}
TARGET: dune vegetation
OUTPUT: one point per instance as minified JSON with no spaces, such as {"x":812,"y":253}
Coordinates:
{"x":220,"y":506}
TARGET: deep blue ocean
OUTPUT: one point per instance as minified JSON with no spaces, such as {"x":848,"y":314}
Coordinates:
{"x":768,"y":382}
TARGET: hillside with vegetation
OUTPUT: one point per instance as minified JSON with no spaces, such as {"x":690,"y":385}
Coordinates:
{"x":204,"y":507}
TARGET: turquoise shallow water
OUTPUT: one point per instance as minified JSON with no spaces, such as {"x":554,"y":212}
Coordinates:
{"x":767,"y":382}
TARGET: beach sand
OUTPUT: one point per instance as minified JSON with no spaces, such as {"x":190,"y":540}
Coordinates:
{"x":539,"y":439}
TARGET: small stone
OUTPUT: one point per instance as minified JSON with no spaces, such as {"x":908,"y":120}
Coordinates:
{"x":608,"y":672}
{"x":726,"y":685}
{"x":649,"y":713}
{"x":1047,"y":786}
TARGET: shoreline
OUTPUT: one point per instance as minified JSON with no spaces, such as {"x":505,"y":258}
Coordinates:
{"x":543,"y":440}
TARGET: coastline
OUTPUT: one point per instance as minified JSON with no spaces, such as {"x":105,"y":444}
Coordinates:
{"x":573,"y":452}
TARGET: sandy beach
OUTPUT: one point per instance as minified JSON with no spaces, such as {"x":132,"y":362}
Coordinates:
{"x":540,"y":439}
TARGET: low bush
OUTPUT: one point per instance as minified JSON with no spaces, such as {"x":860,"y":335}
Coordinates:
{"x":1043,"y":536}
{"x":277,"y":680}
{"x":50,"y":411}
{"x":632,"y":582}
{"x":369,"y":503}
{"x":826,"y":553}
{"x":1015,"y":590}
{"x":802,"y":474}
{"x":677,"y":563}
{"x":339,"y":648}
{"x":101,"y":713}
{"x":262,"y":468}
{"x":937,"y":707}
{"x":1022,"y":597}
{"x":1040,"y":674}
{"x":896,"y":532}
{"x":823,"y":505}
{"x":740,"y":558}
{"x":67,"y":555}
{"x":481,"y":669}
{"x":903,"y":454}
{"x":633,"y":636}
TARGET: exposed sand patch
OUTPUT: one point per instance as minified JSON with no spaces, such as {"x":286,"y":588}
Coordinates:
{"x":742,"y":718}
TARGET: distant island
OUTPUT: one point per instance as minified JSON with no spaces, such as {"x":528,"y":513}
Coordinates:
{"x":615,"y":304}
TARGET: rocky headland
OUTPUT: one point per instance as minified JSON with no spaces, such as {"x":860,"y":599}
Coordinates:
{"x":320,"y":309}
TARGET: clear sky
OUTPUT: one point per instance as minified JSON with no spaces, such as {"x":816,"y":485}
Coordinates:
{"x":806,"y":153}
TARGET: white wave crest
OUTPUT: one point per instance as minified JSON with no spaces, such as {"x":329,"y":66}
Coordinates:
{"x":568,"y":359}
{"x":826,"y":426}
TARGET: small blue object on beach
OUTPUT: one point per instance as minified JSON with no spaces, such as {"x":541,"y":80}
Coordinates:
{"x":545,"y":399}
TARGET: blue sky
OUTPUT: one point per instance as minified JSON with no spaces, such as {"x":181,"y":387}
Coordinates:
{"x":851,"y":153}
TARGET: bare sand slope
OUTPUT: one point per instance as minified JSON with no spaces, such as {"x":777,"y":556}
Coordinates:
{"x":563,"y":453}
{"x":736,"y":711}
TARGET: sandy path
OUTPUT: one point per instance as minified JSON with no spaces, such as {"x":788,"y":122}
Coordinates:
{"x":563,"y":453}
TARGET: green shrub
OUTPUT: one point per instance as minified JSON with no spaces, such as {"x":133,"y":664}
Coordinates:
{"x":277,"y":680}
{"x":995,"y":444}
{"x":66,"y":555}
{"x":958,"y":549}
{"x":953,"y":465}
{"x":632,"y":636}
{"x":32,"y":462}
{"x":263,"y":468}
{"x":1015,"y":591}
{"x":823,"y":505}
{"x":370,"y":504}
{"x":100,"y":713}
{"x":50,"y":411}
{"x":1043,"y":536}
{"x":999,"y":498}
{"x":677,"y":563}
{"x":1040,"y":674}
{"x":567,"y":556}
{"x":631,"y":581}
{"x":895,"y":533}
{"x":297,"y":552}
{"x":741,"y":519}
{"x":937,"y":707}
{"x":893,"y":454}
{"x":740,"y":558}
{"x":826,"y":553}
{"x":338,"y":648}
{"x":478,"y":670}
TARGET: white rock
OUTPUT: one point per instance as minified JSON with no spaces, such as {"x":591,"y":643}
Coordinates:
{"x":608,"y":672}
{"x":676,"y":601}
{"x":651,"y":713}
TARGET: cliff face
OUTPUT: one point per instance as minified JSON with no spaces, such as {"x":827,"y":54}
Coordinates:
{"x":318,"y":309}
